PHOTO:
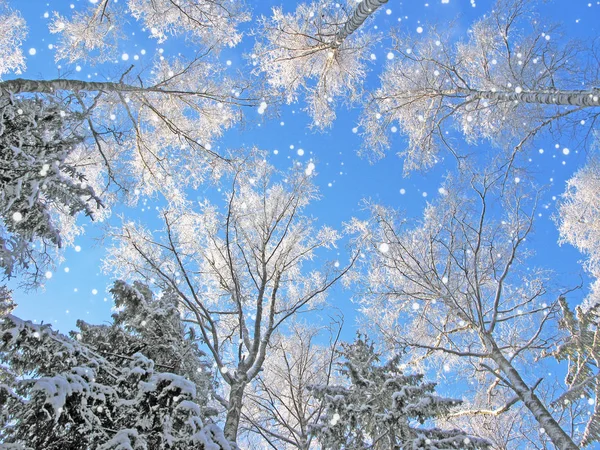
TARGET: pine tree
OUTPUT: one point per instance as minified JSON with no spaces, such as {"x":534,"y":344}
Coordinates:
{"x":41,"y":188}
{"x":581,"y":349}
{"x":383,"y":407}
{"x":68,"y":393}
{"x":6,"y":302}
{"x":150,"y":325}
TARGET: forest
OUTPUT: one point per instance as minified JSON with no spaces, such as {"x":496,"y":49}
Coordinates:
{"x":419,"y":270}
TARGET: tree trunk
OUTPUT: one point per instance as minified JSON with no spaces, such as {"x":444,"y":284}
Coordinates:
{"x":19,"y":85}
{"x":234,"y":411}
{"x":592,"y":430}
{"x":566,"y":98}
{"x":361,"y":13}
{"x":557,"y":435}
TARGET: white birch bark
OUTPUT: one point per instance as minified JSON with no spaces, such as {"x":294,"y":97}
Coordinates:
{"x":361,"y":13}
{"x":554,"y":431}
{"x":22,"y":85}
{"x":461,"y":269}
{"x":491,"y":86}
{"x":588,"y":98}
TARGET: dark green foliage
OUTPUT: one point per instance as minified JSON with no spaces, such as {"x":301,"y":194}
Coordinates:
{"x":581,"y":349}
{"x":68,"y":393}
{"x":150,"y":325}
{"x":384,"y":408}
{"x":37,"y":181}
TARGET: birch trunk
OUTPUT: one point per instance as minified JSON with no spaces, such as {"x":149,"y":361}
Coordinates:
{"x":21,"y":85}
{"x":561,"y":98}
{"x":557,"y":435}
{"x":234,"y":411}
{"x":361,"y":13}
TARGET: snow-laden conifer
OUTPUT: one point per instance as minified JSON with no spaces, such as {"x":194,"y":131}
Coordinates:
{"x":384,"y":407}
{"x":58,"y":392}
{"x":42,"y":187}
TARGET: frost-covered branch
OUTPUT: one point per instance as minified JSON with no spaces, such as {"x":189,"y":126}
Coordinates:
{"x":13,"y":31}
{"x":313,"y":53}
{"x":453,"y":289}
{"x":504,"y":84}
{"x":239,"y":272}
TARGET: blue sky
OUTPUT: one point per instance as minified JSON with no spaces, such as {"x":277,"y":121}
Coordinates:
{"x":344,"y":178}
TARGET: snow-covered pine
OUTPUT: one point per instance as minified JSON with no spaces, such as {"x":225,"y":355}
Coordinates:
{"x":383,"y":407}
{"x":57,"y":392}
{"x":152,"y":325}
{"x":7,"y":305}
{"x":581,"y":348}
{"x":239,"y":271}
{"x":41,"y":189}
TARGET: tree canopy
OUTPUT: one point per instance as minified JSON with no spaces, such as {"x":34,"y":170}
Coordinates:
{"x":230,"y":294}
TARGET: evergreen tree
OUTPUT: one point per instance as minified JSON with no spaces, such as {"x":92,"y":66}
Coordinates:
{"x":581,"y":349}
{"x":41,"y":188}
{"x":150,"y":325}
{"x":384,"y":408}
{"x":63,"y":393}
{"x":6,"y":302}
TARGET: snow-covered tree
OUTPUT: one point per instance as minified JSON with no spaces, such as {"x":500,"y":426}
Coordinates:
{"x":579,"y":221}
{"x":512,"y":78}
{"x":456,"y":289}
{"x":13,"y":32}
{"x":150,"y":130}
{"x":151,"y":325}
{"x":152,"y":127}
{"x":280,"y":407}
{"x":581,"y":348}
{"x":59,"y":392}
{"x":7,"y":305}
{"x":579,"y":224}
{"x":42,"y":187}
{"x":506,"y":427}
{"x":315,"y":52}
{"x":239,"y":272}
{"x":95,"y":34}
{"x":150,"y":134}
{"x":384,"y":407}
